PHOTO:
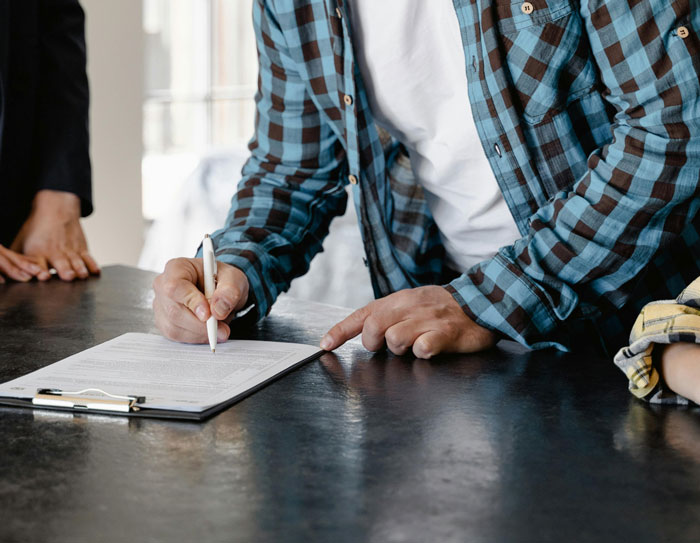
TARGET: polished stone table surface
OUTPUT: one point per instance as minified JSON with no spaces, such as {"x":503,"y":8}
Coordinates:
{"x":506,"y":445}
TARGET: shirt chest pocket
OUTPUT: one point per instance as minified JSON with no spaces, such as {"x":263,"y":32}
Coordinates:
{"x":547,"y":55}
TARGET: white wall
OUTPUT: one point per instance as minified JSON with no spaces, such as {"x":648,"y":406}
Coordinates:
{"x":115,"y":69}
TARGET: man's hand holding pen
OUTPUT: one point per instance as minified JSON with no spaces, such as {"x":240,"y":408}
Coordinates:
{"x":181,"y":308}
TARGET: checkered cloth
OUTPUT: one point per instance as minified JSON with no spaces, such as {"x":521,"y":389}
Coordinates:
{"x":659,"y":323}
{"x":589,"y":114}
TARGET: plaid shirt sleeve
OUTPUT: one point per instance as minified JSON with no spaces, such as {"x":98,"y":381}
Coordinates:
{"x":639,"y":192}
{"x":659,"y":323}
{"x":291,"y":186}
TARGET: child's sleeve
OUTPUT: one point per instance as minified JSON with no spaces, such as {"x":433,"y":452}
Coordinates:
{"x":662,"y":323}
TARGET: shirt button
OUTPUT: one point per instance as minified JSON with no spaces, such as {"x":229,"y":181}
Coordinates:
{"x":339,"y":13}
{"x":497,"y":148}
{"x":682,"y":32}
{"x":473,"y":64}
{"x":527,"y":8}
{"x":352,"y":179}
{"x":347,"y":99}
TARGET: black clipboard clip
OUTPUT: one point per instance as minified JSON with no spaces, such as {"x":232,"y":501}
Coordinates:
{"x":51,"y":397}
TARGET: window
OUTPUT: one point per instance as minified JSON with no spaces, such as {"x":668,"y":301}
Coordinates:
{"x":200,"y":81}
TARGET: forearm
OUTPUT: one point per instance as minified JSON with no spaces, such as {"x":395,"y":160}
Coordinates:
{"x":64,"y":205}
{"x":273,"y":232}
{"x":680,"y":369}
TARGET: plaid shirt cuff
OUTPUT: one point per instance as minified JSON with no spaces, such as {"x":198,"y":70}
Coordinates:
{"x":496,"y":297}
{"x":660,"y":323}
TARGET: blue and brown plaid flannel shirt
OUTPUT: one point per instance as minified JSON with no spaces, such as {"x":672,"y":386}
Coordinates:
{"x":589,"y":114}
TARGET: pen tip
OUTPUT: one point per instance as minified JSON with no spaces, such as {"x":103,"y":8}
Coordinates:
{"x":213,"y":350}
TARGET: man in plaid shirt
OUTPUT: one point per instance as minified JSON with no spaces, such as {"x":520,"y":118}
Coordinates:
{"x":588,"y":115}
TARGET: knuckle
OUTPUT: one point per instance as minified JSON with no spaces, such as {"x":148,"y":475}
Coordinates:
{"x":172,"y":312}
{"x":230,"y":294}
{"x":448,"y":327}
{"x":169,"y":330}
{"x":174,"y":263}
{"x":422,"y":348}
{"x":371,"y":324}
{"x":169,"y":288}
{"x":394,"y":338}
{"x":192,"y":298}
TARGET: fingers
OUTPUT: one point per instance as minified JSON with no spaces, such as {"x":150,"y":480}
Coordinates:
{"x":91,"y":263}
{"x":63,"y":266}
{"x":426,"y":318}
{"x":44,"y":273}
{"x":178,"y":323}
{"x":372,"y":320}
{"x":450,"y":340}
{"x":431,"y":343}
{"x":9,"y":269}
{"x":178,"y":285}
{"x":383,"y":317}
{"x":78,"y":265}
{"x":72,"y":264}
{"x":402,"y":335}
{"x":346,"y":329}
{"x":21,"y":262}
{"x":231,"y":291}
{"x":181,"y":309}
{"x":223,"y":332}
{"x":17,"y":266}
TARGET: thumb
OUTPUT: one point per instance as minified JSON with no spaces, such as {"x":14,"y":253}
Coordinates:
{"x":231,"y":291}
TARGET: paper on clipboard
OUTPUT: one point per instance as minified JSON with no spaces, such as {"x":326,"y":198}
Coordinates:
{"x":172,"y":376}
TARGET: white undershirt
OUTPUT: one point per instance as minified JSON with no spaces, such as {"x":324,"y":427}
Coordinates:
{"x":411,"y":58}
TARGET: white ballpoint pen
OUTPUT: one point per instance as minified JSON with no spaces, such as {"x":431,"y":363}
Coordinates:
{"x":210,"y":286}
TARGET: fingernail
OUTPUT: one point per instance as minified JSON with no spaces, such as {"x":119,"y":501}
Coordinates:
{"x":70,"y":274}
{"x":34,"y":269}
{"x":222,"y":335}
{"x":222,"y":307}
{"x":201,"y":313}
{"x":24,"y":276}
{"x":326,"y":343}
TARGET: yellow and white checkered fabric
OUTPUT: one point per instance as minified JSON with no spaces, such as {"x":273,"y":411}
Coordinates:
{"x":662,"y":322}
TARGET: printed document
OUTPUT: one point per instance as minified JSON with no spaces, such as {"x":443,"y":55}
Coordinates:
{"x":172,"y":376}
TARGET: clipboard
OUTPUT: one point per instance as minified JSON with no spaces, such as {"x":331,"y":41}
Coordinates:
{"x":98,"y":400}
